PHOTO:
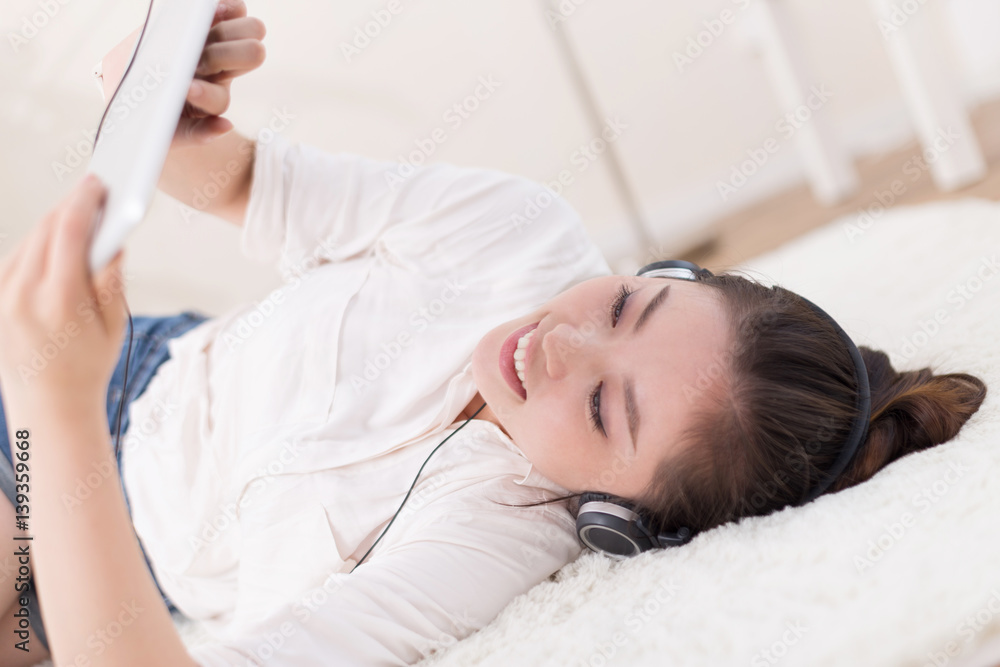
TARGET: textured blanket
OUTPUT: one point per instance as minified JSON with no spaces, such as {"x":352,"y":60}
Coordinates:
{"x":903,"y":569}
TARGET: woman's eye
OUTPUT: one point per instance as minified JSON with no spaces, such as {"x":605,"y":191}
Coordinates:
{"x":619,"y":303}
{"x":595,"y":409}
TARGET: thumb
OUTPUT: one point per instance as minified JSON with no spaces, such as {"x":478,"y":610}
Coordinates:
{"x":197,"y":131}
{"x":213,"y":127}
{"x":109,"y":286}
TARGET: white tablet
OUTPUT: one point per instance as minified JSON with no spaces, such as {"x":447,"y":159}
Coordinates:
{"x":139,"y":127}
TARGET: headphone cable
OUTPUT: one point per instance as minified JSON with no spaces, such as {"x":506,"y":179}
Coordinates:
{"x":100,"y":126}
{"x":384,"y":530}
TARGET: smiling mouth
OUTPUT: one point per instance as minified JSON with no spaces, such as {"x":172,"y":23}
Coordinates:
{"x":508,"y":364}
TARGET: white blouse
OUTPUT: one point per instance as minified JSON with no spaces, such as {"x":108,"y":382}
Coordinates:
{"x":270,"y":451}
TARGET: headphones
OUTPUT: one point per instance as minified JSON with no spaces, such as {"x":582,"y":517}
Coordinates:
{"x":619,"y":529}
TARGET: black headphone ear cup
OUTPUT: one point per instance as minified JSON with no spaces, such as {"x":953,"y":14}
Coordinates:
{"x":607,"y":533}
{"x":617,"y":528}
{"x":608,"y":525}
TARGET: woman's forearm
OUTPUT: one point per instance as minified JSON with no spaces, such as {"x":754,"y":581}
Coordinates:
{"x":214,"y":178}
{"x":98,"y":599}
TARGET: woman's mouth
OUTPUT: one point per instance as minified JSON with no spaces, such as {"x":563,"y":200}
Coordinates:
{"x":509,"y":365}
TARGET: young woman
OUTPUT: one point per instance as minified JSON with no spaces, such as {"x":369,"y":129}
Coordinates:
{"x":265,"y":451}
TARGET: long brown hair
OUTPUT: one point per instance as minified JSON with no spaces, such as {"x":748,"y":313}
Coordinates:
{"x":783,"y":408}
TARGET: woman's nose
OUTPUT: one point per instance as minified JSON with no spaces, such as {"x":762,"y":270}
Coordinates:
{"x":564,"y":344}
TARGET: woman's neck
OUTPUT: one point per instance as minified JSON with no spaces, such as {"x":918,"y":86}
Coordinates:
{"x":486,"y":415}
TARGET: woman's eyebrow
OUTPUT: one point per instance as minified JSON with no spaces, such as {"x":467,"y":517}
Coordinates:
{"x":647,"y":312}
{"x":633,"y":413}
{"x":631,"y":408}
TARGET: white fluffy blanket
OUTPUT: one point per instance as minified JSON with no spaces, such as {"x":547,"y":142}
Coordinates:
{"x":901,"y":570}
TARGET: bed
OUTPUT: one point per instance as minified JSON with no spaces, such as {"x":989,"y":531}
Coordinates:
{"x":901,"y":570}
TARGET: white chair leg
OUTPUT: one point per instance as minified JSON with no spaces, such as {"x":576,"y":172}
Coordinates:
{"x":913,"y":41}
{"x":831,"y":172}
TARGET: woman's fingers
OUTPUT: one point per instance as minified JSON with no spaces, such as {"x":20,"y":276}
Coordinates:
{"x":223,"y":60}
{"x":109,"y":285}
{"x":33,"y":255}
{"x":246,"y":27}
{"x":69,"y":251}
{"x":206,"y":99}
{"x":232,"y":48}
{"x":229,"y":9}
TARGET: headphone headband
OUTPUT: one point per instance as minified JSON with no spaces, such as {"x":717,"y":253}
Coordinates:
{"x":614,"y":527}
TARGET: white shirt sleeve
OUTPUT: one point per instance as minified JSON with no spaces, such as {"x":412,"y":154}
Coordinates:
{"x":307,"y":206}
{"x":440,"y":580}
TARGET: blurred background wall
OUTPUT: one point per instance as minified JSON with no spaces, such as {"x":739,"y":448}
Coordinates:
{"x":692,"y":89}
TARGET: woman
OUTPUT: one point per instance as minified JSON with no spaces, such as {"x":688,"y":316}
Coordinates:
{"x":266,"y":450}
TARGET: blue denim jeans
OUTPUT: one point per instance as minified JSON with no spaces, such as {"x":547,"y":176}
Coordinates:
{"x":149,"y":350}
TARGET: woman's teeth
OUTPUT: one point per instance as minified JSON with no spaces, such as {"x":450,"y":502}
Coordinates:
{"x":522,"y":346}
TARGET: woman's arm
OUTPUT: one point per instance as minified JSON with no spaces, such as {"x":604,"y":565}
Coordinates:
{"x":441,"y":574}
{"x":90,"y":573}
{"x":188,"y":171}
{"x":205,"y":152}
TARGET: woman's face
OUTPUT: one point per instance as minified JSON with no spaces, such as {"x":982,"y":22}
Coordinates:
{"x":659,"y":351}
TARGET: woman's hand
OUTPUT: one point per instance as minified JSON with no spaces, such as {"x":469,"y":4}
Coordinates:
{"x":233,"y":48}
{"x":61,"y":329}
{"x":60,"y":336}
